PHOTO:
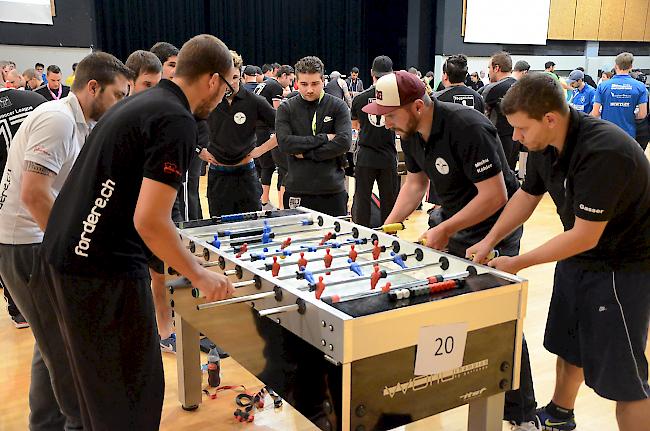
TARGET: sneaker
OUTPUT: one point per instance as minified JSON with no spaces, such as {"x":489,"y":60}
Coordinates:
{"x":550,"y":423}
{"x":525,"y":426}
{"x":19,"y":321}
{"x":206,"y":345}
{"x":268,"y":207}
{"x":168,"y":345}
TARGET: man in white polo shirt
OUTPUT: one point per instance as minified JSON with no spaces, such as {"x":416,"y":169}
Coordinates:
{"x":41,"y":156}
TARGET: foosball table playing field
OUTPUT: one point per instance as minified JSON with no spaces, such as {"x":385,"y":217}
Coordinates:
{"x":354,"y":327}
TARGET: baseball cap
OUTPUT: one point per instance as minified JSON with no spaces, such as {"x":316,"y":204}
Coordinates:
{"x":250,"y":70}
{"x":382,"y":65}
{"x":574,"y":76}
{"x":393,"y":91}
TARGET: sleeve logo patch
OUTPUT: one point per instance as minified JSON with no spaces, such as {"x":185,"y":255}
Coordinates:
{"x":170,"y":168}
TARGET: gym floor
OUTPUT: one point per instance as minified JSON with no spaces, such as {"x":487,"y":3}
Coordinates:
{"x":592,"y":412}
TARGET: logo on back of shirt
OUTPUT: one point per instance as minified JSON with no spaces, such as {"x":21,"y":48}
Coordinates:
{"x":376,"y":120}
{"x":90,"y":223}
{"x":259,"y":88}
{"x":5,"y":102}
{"x":464,"y":99}
{"x":5,"y":187}
{"x":442,"y":166}
{"x":240,"y":118}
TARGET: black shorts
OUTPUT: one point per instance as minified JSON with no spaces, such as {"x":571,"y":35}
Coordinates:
{"x":233,"y":190}
{"x":599,"y":321}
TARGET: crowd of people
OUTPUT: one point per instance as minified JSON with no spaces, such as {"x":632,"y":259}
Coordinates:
{"x":97,"y":167}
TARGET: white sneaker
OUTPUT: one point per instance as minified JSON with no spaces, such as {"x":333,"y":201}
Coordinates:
{"x":268,"y":207}
{"x":524,"y":426}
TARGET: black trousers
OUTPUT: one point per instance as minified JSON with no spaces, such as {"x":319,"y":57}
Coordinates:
{"x":331,"y":204}
{"x":234,"y":192}
{"x":110,"y":334}
{"x":388,"y":184}
{"x":11,"y":305}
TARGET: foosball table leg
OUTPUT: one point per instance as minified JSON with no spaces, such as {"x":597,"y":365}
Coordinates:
{"x":486,"y":414}
{"x":188,"y":364}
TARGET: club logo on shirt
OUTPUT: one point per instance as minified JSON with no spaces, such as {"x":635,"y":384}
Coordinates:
{"x":442,"y":166}
{"x":171,"y":168}
{"x":376,"y":120}
{"x":240,"y":118}
{"x":5,"y":102}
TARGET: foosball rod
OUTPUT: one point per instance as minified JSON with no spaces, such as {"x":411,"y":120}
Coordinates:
{"x":333,"y":235}
{"x":263,"y":239}
{"x":335,"y":299}
{"x":237,"y":300}
{"x":269,"y":266}
{"x":231,"y":232}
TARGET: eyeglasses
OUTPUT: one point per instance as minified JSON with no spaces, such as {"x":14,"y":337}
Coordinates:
{"x":232,"y":90}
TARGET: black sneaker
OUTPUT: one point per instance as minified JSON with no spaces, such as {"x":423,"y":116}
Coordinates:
{"x":19,"y":321}
{"x":550,"y":423}
{"x":207,"y":345}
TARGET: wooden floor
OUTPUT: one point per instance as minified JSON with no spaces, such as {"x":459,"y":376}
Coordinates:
{"x":592,"y":412}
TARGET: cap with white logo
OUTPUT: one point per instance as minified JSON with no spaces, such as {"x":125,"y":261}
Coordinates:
{"x":393,"y":91}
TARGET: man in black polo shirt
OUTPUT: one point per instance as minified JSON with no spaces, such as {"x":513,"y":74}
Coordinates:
{"x":501,"y":79}
{"x":376,"y":159}
{"x":272,"y":89}
{"x":455,"y":71}
{"x":232,"y":148}
{"x":113,"y":210}
{"x":250,"y":78}
{"x":315,"y":130}
{"x":15,"y":106}
{"x":53,"y":89}
{"x":458,"y":150}
{"x":599,"y":179}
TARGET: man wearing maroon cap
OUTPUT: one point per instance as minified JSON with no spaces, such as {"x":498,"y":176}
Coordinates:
{"x":456,"y":148}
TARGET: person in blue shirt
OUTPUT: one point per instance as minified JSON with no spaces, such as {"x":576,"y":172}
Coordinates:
{"x":582,"y":98}
{"x":623,"y":99}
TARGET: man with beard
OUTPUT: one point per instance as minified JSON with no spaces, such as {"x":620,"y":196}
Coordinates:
{"x":458,"y":150}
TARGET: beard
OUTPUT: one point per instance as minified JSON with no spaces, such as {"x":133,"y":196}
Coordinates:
{"x":409,"y":130}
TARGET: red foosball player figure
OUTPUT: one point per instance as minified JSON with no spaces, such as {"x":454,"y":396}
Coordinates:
{"x":374,"y":277}
{"x":328,"y":259}
{"x":242,"y":250}
{"x":376,"y":251}
{"x":353,"y":254}
{"x":326,"y":238}
{"x":320,"y":287}
{"x":286,"y":243}
{"x":302,"y":262}
{"x":275,"y":269}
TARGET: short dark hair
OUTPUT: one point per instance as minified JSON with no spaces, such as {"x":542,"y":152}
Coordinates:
{"x":522,"y":66}
{"x":37,"y":65}
{"x":74,"y":66}
{"x":203,"y":54}
{"x":276,"y":65}
{"x":284,"y":69}
{"x":503,"y":60}
{"x":101,"y":67}
{"x":258,"y":70}
{"x":581,"y":69}
{"x":266,"y":67}
{"x":53,"y":68}
{"x":310,"y":64}
{"x":548,"y":64}
{"x":164,"y":50}
{"x":354,"y":70}
{"x":141,"y":61}
{"x":456,"y":68}
{"x":536,"y":94}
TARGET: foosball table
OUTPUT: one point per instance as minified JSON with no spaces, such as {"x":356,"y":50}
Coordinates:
{"x":332,"y":316}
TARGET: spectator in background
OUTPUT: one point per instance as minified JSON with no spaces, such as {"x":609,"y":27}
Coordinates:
{"x":4,"y":71}
{"x":549,"y":67}
{"x":70,"y":79}
{"x":582,"y":98}
{"x":40,"y":69}
{"x":338,"y":88}
{"x":604,"y":76}
{"x":355,"y":85}
{"x":250,"y":78}
{"x":476,"y":82}
{"x":32,"y":79}
{"x":53,"y":89}
{"x":521,"y":68}
{"x":588,"y":79}
{"x":167,"y":54}
{"x":259,"y":74}
{"x":146,"y":68}
{"x":484,"y":78}
{"x":15,"y":80}
{"x":623,"y":99}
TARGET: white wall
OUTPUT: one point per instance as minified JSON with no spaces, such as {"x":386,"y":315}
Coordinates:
{"x":26,"y":56}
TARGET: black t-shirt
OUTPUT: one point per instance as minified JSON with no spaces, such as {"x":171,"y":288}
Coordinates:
{"x":492,"y":95}
{"x":376,"y":142}
{"x":232,"y":126}
{"x":463,"y":149}
{"x":250,"y":86}
{"x":44,"y":91}
{"x":462,"y":95}
{"x":91,"y":231}
{"x":15,"y":106}
{"x":602,"y":175}
{"x":270,"y":89}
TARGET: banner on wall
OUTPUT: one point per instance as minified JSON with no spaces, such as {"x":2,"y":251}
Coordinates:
{"x":27,"y":11}
{"x":507,"y":21}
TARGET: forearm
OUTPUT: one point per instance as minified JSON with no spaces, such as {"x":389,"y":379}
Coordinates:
{"x":563,"y":246}
{"x":265,"y":147}
{"x":476,"y":210}
{"x":409,"y":198}
{"x":293,"y":144}
{"x":39,"y":205}
{"x":516,"y":212}
{"x":160,"y":236}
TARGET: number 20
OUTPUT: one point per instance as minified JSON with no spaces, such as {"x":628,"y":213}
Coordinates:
{"x":447,"y":345}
